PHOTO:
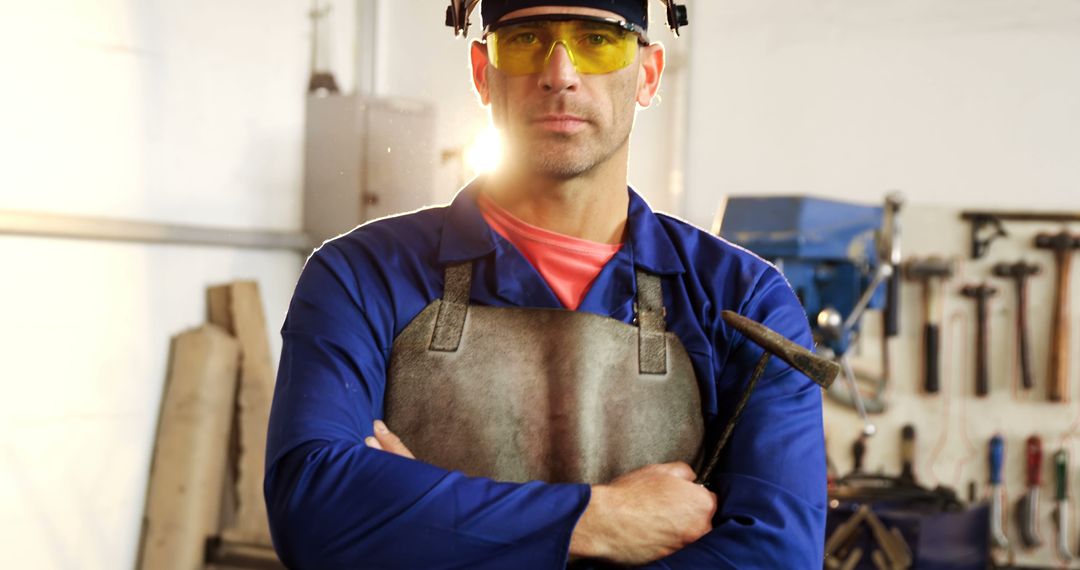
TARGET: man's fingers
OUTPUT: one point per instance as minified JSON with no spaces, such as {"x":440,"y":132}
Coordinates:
{"x":373,"y":443}
{"x":679,"y":469}
{"x":390,"y":442}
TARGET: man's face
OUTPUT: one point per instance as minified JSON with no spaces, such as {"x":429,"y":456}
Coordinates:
{"x":559,"y":123}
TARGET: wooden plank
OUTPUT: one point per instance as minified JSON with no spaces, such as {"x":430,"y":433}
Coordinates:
{"x":187,"y":473}
{"x":231,"y":556}
{"x":237,"y":307}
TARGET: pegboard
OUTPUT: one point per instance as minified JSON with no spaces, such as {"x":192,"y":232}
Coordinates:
{"x":954,"y":426}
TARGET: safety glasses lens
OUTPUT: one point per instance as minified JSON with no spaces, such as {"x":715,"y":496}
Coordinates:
{"x":593,"y":47}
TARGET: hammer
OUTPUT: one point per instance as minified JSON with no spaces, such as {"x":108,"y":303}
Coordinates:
{"x":925,"y":271}
{"x":1019,"y":272}
{"x":981,"y":293}
{"x":1062,"y":244}
{"x":820,"y":370}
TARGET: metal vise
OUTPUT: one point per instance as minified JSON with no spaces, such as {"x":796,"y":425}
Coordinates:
{"x":840,"y":258}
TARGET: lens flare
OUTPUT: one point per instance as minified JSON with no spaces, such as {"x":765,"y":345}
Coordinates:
{"x":485,"y":152}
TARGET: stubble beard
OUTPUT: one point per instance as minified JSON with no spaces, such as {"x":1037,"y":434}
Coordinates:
{"x":564,"y":156}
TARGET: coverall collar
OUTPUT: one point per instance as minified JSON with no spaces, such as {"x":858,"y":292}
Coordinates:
{"x":466,"y":236}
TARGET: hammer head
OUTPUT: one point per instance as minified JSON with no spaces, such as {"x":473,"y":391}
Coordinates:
{"x":821,"y":370}
{"x":1019,"y":270}
{"x":929,"y":268}
{"x":1061,"y":241}
{"x":979,"y":291}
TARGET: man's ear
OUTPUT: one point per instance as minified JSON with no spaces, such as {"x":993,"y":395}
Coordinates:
{"x":479,"y":61}
{"x":651,"y":69}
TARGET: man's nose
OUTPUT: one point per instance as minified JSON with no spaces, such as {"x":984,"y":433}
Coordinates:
{"x":559,"y":74}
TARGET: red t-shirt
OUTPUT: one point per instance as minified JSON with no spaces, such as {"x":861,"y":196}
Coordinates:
{"x":568,"y":264}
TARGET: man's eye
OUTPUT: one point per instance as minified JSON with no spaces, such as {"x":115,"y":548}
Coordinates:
{"x":523,"y":39}
{"x":596,"y":39}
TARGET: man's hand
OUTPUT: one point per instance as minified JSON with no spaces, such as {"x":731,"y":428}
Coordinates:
{"x":644,"y":515}
{"x":385,"y":440}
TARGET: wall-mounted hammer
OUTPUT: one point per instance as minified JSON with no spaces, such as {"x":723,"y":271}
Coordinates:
{"x":1062,"y":244}
{"x":1020,"y":272}
{"x":981,"y":293}
{"x":926,"y":271}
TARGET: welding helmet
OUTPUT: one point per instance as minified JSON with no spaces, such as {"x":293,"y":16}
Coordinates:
{"x":635,"y":12}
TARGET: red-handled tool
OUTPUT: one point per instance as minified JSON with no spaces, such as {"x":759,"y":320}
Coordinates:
{"x":1028,"y":509}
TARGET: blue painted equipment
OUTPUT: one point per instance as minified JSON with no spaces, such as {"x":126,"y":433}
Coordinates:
{"x":840,"y":259}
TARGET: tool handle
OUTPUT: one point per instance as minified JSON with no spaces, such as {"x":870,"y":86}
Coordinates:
{"x":907,"y":453}
{"x":997,"y":456}
{"x":1059,"y":344}
{"x":892,"y":304}
{"x":1022,"y":333}
{"x":858,"y":451}
{"x":982,"y":352}
{"x":931,"y":342}
{"x":1034,"y":461}
{"x":1061,"y":469}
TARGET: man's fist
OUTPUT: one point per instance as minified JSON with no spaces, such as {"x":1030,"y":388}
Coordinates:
{"x":644,"y":515}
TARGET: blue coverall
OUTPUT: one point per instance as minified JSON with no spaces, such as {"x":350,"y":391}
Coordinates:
{"x":335,"y":503}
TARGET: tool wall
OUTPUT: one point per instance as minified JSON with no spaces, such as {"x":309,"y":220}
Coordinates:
{"x":955,"y":425}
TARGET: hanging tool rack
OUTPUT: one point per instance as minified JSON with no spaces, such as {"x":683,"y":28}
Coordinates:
{"x":989,"y":225}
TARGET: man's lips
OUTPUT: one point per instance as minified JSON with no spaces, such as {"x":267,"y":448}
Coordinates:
{"x":561,"y":123}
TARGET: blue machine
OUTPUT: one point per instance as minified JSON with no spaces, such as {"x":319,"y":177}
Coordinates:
{"x":839,"y":257}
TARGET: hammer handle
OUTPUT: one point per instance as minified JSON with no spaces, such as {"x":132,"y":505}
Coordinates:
{"x":932,"y":342}
{"x":1022,"y":334}
{"x":1059,"y":345}
{"x":982,"y":353}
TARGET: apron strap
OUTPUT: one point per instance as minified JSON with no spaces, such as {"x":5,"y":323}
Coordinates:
{"x":649,"y":313}
{"x":450,"y":321}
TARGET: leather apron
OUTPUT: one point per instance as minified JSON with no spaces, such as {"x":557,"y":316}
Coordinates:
{"x":523,"y":394}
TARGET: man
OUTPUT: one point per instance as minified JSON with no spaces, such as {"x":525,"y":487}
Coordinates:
{"x":548,"y":349}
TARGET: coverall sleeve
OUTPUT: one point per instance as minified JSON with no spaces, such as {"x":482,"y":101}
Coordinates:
{"x":771,"y":480}
{"x":335,"y":503}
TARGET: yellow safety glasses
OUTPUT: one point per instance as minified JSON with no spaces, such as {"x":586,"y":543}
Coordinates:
{"x":523,"y":46}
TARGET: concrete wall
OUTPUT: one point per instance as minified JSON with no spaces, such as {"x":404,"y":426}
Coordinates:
{"x":175,"y":111}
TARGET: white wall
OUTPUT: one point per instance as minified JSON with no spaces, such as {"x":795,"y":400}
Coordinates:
{"x":85,"y":345}
{"x":184,"y":111}
{"x":958,"y":102}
